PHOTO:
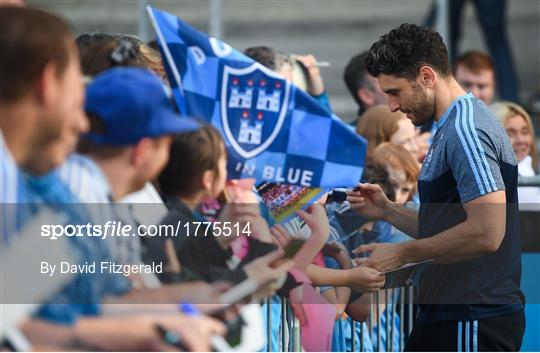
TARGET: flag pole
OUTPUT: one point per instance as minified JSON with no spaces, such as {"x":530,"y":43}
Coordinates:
{"x":168,"y":56}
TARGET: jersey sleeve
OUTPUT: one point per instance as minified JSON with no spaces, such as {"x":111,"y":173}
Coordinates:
{"x":473,"y":157}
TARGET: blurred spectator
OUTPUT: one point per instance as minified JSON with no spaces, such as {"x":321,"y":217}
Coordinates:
{"x":87,"y":39}
{"x":42,"y":103}
{"x":378,"y":124}
{"x":302,"y":70}
{"x":474,"y":71}
{"x":518,"y":125}
{"x":38,"y":70}
{"x":119,"y":160}
{"x":102,"y":51}
{"x":402,"y":168}
{"x":363,"y":87}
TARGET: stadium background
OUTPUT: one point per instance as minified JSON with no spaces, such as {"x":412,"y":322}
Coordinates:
{"x":333,"y":31}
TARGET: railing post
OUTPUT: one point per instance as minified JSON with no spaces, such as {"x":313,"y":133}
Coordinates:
{"x":410,"y":308}
{"x":377,"y":312}
{"x":284,"y":325}
{"x":353,"y":335}
{"x":361,"y":337}
{"x":387,"y":320}
{"x":269,"y":324}
{"x":401,"y":317}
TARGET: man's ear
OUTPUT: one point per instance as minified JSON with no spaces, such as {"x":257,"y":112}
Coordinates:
{"x":428,"y":77}
{"x":207,"y":179}
{"x":365,"y":96}
{"x":46,"y":87}
{"x":141,"y":150}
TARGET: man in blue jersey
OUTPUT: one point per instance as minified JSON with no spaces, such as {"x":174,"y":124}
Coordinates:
{"x":469,"y":299}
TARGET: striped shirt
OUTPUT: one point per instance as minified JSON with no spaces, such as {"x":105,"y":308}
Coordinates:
{"x":88,"y":182}
{"x":470,"y":156}
{"x":9,"y":186}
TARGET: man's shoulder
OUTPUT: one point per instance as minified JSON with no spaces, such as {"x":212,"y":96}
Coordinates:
{"x":475,"y":128}
{"x":85,"y":179}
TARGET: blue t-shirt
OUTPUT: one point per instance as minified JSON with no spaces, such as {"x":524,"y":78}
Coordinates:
{"x":470,"y":156}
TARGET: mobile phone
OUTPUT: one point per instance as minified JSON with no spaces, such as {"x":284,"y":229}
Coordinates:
{"x":337,"y":195}
{"x":292,"y":247}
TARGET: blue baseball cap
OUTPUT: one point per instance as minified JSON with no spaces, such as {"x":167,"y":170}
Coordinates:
{"x":131,"y":104}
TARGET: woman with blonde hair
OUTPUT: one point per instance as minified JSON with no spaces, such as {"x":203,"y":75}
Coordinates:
{"x":378,"y":124}
{"x":519,"y":127}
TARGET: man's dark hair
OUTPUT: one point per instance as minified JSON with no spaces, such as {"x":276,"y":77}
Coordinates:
{"x":405,"y":49}
{"x":356,"y":76}
{"x":30,"y":39}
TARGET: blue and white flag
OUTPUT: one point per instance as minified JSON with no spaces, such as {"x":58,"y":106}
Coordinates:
{"x":273,"y":130}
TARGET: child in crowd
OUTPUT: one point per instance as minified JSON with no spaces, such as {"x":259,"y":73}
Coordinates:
{"x":196,"y":172}
{"x":402,"y":168}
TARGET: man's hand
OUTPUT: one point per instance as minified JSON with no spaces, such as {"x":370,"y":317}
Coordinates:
{"x":369,"y":201}
{"x":383,"y":257}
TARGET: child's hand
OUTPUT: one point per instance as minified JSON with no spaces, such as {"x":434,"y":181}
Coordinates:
{"x":317,"y":221}
{"x":365,"y":279}
{"x":281,"y":235}
{"x":342,"y":257}
{"x":315,"y":81}
{"x":268,"y":275}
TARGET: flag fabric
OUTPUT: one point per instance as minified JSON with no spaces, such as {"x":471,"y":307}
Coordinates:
{"x":273,"y":130}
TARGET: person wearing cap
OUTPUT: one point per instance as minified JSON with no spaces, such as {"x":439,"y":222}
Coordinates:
{"x":74,"y":318}
{"x":132,"y":121}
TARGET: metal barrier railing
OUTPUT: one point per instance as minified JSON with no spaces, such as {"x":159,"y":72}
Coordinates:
{"x":383,"y":317}
{"x":529,"y":181}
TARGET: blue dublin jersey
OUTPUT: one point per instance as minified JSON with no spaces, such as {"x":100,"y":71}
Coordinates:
{"x":470,"y":156}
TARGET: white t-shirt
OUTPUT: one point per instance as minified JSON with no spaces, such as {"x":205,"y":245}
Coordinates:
{"x":529,"y":196}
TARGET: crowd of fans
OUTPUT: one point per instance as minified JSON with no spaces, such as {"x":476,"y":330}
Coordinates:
{"x":89,"y":124}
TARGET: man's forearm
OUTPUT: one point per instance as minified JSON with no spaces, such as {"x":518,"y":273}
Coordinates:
{"x":459,"y":243}
{"x":404,"y":219}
